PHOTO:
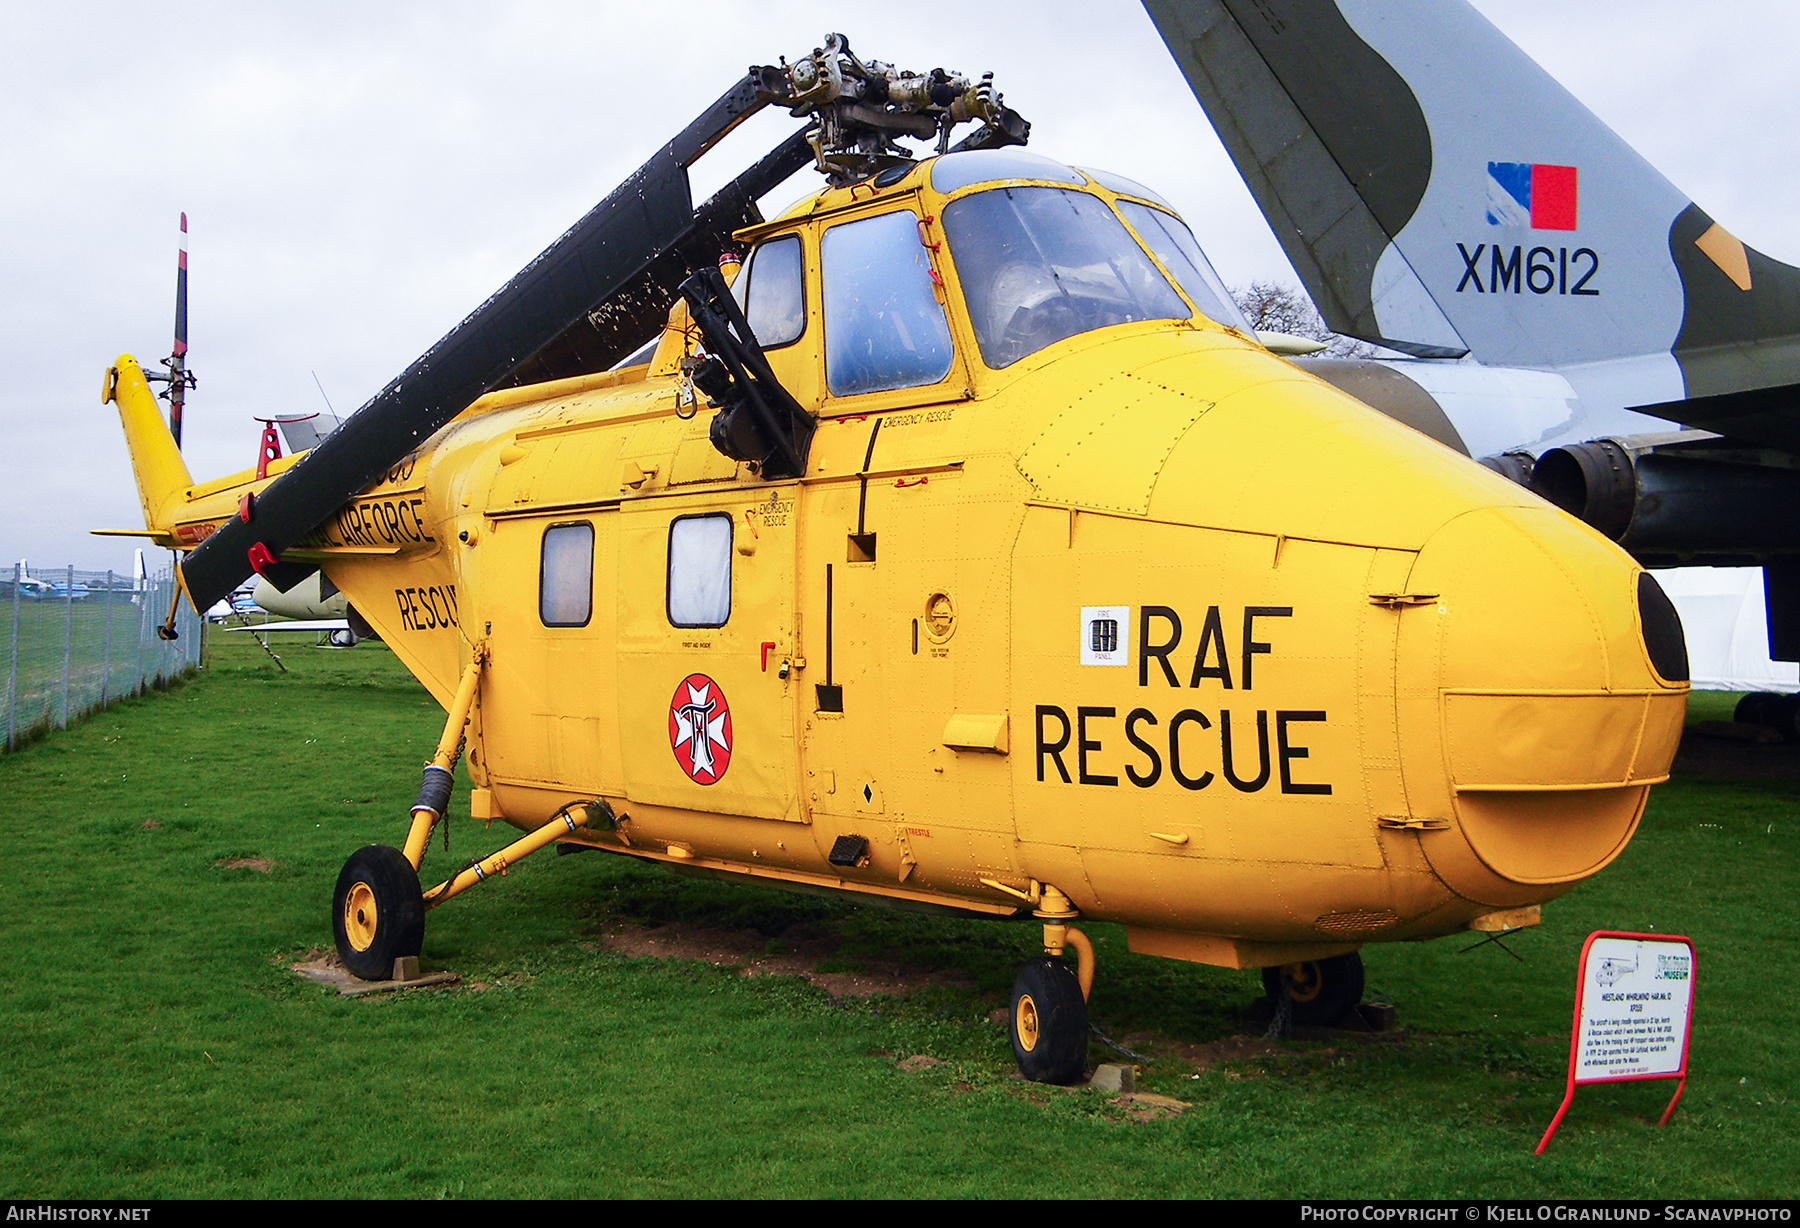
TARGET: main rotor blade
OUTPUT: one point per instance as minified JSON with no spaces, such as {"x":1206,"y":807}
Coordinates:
{"x":620,"y":324}
{"x":611,"y":274}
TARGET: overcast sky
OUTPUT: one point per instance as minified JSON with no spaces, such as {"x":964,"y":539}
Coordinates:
{"x":357,"y":177}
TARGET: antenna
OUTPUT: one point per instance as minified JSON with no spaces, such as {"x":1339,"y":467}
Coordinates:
{"x":328,"y":404}
{"x":178,"y":378}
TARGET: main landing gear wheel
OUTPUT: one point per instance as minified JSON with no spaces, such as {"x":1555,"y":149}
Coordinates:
{"x":1784,"y":716}
{"x":1321,"y":991}
{"x":378,"y":912}
{"x":1779,"y":712}
{"x":1049,"y":1023}
{"x":1756,"y":708}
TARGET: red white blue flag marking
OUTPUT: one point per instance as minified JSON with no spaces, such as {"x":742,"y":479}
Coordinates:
{"x":1531,"y":194}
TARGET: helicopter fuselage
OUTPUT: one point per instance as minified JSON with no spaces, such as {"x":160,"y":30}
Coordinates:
{"x":1080,"y":587}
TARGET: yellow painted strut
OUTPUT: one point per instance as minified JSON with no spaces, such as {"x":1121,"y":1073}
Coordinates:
{"x":561,"y":823}
{"x":434,"y":797}
{"x":1055,"y":911}
{"x":434,"y":791}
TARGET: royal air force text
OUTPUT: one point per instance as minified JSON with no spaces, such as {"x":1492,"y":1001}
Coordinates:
{"x":379,"y":522}
{"x":1249,"y":748}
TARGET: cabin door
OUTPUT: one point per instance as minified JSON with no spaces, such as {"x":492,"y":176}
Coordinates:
{"x":543,"y":601}
{"x":705,"y":622}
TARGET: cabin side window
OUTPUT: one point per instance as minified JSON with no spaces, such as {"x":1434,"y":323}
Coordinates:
{"x":700,"y":571}
{"x":884,"y":327}
{"x":566,"y":575}
{"x":771,"y":291}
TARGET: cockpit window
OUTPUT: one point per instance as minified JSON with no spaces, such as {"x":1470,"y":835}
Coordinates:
{"x":1174,"y":245}
{"x":884,"y":328}
{"x":1124,"y":186}
{"x":771,"y":292}
{"x":959,"y":170}
{"x":1041,"y":264}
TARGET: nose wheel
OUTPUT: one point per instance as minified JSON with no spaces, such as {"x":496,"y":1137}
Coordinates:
{"x":1049,"y":1023}
{"x":1320,"y":991}
{"x":378,"y":912}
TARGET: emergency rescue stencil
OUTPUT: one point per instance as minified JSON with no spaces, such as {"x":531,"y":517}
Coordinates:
{"x":1106,"y":635}
{"x":700,"y":729}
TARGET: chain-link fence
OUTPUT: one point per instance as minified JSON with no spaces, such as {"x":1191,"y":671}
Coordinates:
{"x":78,"y":640}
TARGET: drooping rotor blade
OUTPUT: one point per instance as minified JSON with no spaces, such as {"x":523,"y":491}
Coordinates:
{"x":624,"y":320}
{"x":582,"y":304}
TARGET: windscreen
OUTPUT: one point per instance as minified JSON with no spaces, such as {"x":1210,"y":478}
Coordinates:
{"x":1175,"y":245}
{"x":1041,"y":264}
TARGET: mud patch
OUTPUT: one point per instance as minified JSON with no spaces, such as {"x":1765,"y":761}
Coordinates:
{"x":1148,"y":1106}
{"x":920,"y":1061}
{"x":262,"y":865}
{"x":325,"y":969}
{"x":803,"y":949}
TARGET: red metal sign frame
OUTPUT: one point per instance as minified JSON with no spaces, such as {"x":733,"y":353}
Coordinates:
{"x":1575,"y":1031}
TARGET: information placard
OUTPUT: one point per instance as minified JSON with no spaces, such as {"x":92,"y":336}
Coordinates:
{"x":1633,"y":1000}
{"x":1631,"y":1018}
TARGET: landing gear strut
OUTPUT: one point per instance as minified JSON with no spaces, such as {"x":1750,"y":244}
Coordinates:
{"x":1049,"y":1021}
{"x":378,"y":914}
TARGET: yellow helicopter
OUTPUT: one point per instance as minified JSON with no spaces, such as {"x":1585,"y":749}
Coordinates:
{"x":960,"y":549}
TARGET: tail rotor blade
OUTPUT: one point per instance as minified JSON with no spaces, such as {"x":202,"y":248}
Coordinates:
{"x":178,"y":357}
{"x":181,"y":295}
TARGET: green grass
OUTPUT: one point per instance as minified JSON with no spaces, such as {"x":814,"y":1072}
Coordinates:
{"x":1712,"y":705}
{"x":158,"y":1046}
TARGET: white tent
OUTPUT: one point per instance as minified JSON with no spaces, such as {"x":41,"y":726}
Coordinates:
{"x":1726,"y":625}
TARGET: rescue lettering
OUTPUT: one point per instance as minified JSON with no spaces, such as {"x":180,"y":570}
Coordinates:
{"x":1103,"y":746}
{"x":1541,"y":270}
{"x":1190,"y":745}
{"x":427,"y":609}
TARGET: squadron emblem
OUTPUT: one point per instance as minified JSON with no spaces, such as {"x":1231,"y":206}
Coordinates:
{"x":700,"y":729}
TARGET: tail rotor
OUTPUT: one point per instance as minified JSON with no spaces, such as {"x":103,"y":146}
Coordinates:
{"x":178,"y":378}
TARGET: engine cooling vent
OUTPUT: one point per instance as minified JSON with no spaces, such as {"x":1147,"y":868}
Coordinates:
{"x":1347,"y":924}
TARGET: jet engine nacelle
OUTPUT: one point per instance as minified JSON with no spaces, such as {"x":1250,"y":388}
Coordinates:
{"x":1675,"y":498}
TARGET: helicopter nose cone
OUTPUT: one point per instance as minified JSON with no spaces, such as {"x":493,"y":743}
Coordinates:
{"x":1538,"y":698}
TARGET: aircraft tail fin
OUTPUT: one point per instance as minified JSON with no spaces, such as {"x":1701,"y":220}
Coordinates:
{"x":162,"y":476}
{"x":1291,"y":89}
{"x":1440,"y":193}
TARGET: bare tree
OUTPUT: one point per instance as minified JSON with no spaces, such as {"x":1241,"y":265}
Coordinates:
{"x":1272,"y":307}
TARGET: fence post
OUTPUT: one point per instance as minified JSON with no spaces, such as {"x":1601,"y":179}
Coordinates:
{"x":159,"y":649}
{"x":62,"y":720}
{"x":149,"y":589}
{"x":12,"y":674}
{"x":106,"y":641}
